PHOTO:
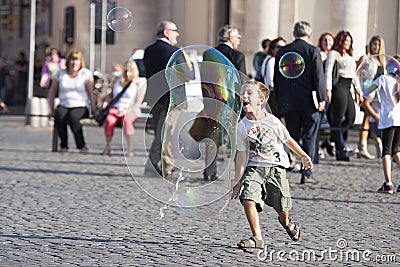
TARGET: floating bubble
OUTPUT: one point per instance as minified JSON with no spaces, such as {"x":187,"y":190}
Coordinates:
{"x":202,"y":86}
{"x":119,"y":19}
{"x":291,"y":65}
{"x":372,"y":67}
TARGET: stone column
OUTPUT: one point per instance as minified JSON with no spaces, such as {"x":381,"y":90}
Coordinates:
{"x":351,"y":16}
{"x":256,"y":20}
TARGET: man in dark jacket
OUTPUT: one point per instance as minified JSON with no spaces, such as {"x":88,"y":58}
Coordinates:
{"x":301,"y":99}
{"x":155,"y":60}
{"x":229,"y":39}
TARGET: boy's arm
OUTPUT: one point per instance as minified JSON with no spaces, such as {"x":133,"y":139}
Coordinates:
{"x":240,"y":166}
{"x":305,"y":159}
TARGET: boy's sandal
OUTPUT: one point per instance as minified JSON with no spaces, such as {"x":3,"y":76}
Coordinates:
{"x":292,"y":233}
{"x":252,"y":242}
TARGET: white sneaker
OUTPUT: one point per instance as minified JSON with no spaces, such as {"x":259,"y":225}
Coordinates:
{"x":296,"y":168}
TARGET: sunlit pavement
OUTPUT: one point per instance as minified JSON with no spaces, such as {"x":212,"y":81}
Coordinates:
{"x":74,"y":209}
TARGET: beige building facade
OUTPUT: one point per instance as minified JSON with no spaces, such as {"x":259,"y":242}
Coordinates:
{"x":197,"y":21}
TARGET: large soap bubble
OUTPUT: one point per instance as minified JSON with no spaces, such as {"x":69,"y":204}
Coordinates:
{"x":199,"y":132}
{"x":372,"y":67}
{"x":119,"y":19}
{"x":291,"y":65}
{"x":200,"y":129}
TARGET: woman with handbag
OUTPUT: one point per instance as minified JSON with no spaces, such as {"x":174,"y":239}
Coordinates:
{"x":341,"y":113}
{"x":123,"y":111}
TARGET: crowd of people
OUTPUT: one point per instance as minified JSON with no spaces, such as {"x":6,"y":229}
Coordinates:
{"x":328,"y":89}
{"x":268,"y":136}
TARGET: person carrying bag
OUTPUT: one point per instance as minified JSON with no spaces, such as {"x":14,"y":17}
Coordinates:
{"x":101,"y":115}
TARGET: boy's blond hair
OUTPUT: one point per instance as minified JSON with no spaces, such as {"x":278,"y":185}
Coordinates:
{"x":261,"y":87}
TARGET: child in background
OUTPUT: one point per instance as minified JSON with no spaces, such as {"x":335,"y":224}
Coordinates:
{"x":261,"y":164}
{"x":389,"y":120}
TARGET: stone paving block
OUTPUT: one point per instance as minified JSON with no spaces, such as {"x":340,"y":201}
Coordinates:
{"x":89,"y":210}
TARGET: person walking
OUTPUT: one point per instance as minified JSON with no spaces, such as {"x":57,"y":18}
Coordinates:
{"x":229,"y":41}
{"x":74,"y":86}
{"x":325,"y":43}
{"x":155,"y":59}
{"x":258,"y":59}
{"x":267,"y":70}
{"x":229,"y":38}
{"x":5,"y":82}
{"x":50,"y":68}
{"x":295,"y":96}
{"x":22,"y":65}
{"x":341,"y":113}
{"x":388,"y":89}
{"x":376,"y":46}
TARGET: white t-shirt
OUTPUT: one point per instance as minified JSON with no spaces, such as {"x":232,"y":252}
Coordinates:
{"x":72,"y":91}
{"x":267,"y":71}
{"x":130,"y":94}
{"x":264,"y":140}
{"x":390,"y":109}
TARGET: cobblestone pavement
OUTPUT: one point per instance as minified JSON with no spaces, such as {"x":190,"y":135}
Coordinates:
{"x":76,"y":209}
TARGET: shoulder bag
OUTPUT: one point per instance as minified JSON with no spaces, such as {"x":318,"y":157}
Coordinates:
{"x":101,"y":115}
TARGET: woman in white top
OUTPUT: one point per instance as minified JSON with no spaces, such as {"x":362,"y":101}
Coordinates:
{"x":341,"y":113}
{"x":127,"y":109}
{"x":74,"y":86}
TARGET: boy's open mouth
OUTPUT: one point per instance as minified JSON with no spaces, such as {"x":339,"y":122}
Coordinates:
{"x":245,"y":103}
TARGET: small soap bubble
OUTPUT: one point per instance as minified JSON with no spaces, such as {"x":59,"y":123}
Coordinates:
{"x":291,"y":65}
{"x":119,"y":19}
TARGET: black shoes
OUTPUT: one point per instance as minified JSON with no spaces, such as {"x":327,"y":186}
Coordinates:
{"x":152,"y":171}
{"x":308,"y":179}
{"x":211,"y":177}
{"x":328,"y":145}
{"x":342,"y":155}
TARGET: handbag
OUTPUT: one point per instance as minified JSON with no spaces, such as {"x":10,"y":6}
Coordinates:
{"x":101,"y":115}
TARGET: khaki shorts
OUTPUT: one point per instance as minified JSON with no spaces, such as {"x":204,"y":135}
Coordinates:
{"x":267,"y":185}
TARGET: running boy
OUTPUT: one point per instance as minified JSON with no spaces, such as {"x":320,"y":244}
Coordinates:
{"x":260,"y":164}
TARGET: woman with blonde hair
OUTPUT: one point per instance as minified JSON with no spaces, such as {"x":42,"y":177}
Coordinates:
{"x":122,"y":111}
{"x":74,"y":86}
{"x":376,"y":46}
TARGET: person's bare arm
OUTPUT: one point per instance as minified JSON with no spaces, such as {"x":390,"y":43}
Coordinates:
{"x":89,"y":90}
{"x":51,"y":96}
{"x":240,"y":166}
{"x":305,"y":159}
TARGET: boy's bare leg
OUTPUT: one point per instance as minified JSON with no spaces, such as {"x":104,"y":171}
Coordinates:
{"x":252,"y":217}
{"x":284,"y":220}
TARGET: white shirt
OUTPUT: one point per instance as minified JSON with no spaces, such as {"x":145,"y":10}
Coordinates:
{"x":267,"y":71}
{"x":129,"y":96}
{"x":390,"y":109}
{"x":346,"y":68}
{"x":264,"y":140}
{"x":72,"y":91}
